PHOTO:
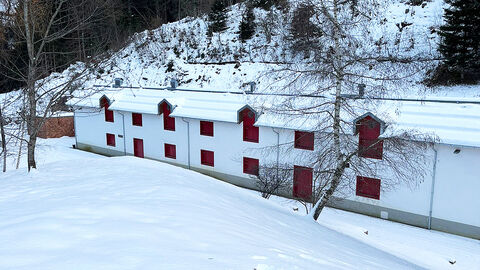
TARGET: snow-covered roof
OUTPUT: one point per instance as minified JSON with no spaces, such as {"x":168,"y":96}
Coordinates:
{"x":189,"y":104}
{"x":450,"y":122}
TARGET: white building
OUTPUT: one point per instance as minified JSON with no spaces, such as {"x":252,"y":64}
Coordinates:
{"x":219,"y":134}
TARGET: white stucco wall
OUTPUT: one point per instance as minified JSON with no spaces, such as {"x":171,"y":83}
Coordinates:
{"x":457,"y":175}
{"x":457,"y":185}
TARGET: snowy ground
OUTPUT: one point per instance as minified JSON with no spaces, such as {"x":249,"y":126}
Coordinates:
{"x":83,"y":211}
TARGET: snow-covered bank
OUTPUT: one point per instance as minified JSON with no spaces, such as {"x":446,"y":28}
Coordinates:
{"x":83,"y":211}
{"x":430,"y":249}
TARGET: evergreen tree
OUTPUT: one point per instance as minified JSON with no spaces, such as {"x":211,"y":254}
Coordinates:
{"x":247,"y":25}
{"x":217,"y":17}
{"x":460,"y":45}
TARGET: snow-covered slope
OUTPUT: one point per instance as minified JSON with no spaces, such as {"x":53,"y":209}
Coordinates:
{"x":130,"y":213}
{"x":183,"y":51}
{"x":84,"y":211}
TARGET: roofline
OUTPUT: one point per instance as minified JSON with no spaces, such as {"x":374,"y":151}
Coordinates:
{"x":293,"y":95}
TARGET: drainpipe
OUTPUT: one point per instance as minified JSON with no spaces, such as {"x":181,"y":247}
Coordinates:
{"x":124,"y":136}
{"x":188,"y":140}
{"x":278,"y":148}
{"x":433,"y":188}
{"x":75,"y":128}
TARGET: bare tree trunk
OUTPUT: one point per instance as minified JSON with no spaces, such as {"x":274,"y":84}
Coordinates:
{"x":338,"y":71}
{"x":4,"y":142}
{"x":22,"y":133}
{"x":32,"y":104}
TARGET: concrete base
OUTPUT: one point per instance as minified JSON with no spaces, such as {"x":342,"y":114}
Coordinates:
{"x":406,"y":217}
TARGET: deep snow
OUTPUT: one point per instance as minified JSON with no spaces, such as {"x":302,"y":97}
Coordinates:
{"x":83,"y":211}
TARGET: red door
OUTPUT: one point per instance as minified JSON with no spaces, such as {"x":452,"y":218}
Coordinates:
{"x":302,"y":182}
{"x":138,"y":147}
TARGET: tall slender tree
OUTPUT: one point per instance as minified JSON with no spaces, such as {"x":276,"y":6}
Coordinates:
{"x":247,"y":25}
{"x":460,"y":43}
{"x":217,"y":17}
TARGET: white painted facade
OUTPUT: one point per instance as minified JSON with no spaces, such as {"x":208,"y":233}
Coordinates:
{"x":446,"y":200}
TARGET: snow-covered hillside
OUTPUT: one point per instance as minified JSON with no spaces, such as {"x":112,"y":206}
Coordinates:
{"x":182,"y":50}
{"x":84,"y":211}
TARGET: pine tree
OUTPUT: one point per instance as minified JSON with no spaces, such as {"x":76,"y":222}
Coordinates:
{"x":460,"y":45}
{"x":217,"y":17}
{"x":247,"y":25}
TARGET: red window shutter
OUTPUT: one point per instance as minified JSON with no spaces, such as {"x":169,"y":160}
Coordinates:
{"x":108,"y":113}
{"x":368,"y":187}
{"x":250,"y":132}
{"x":304,"y":140}
{"x":250,"y":166}
{"x":110,"y":139}
{"x":207,"y":157}
{"x":137,"y":119}
{"x":369,"y":146}
{"x":206,"y":128}
{"x":138,"y":147}
{"x":170,"y":151}
{"x":302,"y":182}
{"x":168,"y":122}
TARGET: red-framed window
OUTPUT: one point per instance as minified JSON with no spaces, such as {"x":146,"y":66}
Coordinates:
{"x":304,"y":140}
{"x":250,"y":165}
{"x":302,"y":182}
{"x":110,"y":139}
{"x":168,"y":122}
{"x":368,"y":187}
{"x":108,"y":113}
{"x":137,"y":119}
{"x":170,"y":151}
{"x":138,"y":147}
{"x":369,"y":146}
{"x":207,"y":157}
{"x":206,"y":128}
{"x":250,"y":132}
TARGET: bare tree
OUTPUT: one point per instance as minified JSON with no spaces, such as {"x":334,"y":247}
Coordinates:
{"x":273,"y":179}
{"x":37,"y":25}
{"x":343,"y":55}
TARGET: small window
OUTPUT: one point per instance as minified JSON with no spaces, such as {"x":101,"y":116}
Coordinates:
{"x":304,"y":140}
{"x":168,"y":122}
{"x":250,"y":166}
{"x":206,"y":128}
{"x":170,"y":151}
{"x":137,"y":119}
{"x":368,"y":187}
{"x":207,"y":157}
{"x":110,"y":139}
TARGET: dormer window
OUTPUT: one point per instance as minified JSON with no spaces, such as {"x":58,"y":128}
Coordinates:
{"x":250,"y":132}
{"x":369,"y":144}
{"x":104,"y":103}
